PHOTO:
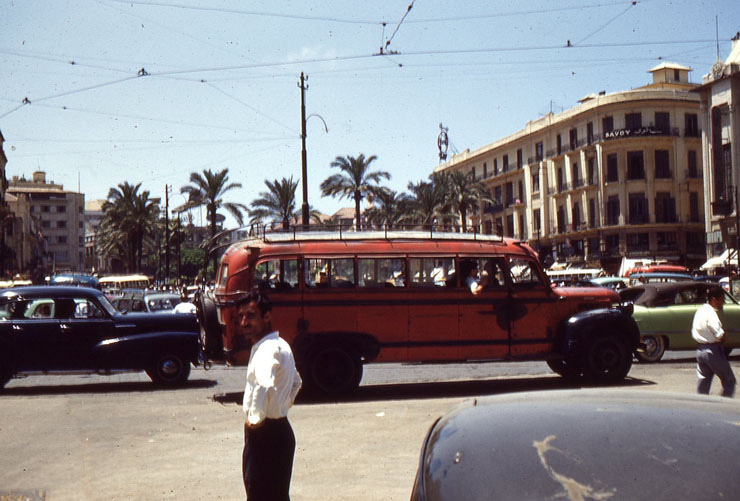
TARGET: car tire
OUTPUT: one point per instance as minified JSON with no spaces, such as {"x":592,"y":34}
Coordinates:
{"x":210,"y":330}
{"x":560,"y":367}
{"x":607,"y":359}
{"x":169,"y":369}
{"x":333,"y":371}
{"x":655,"y":348}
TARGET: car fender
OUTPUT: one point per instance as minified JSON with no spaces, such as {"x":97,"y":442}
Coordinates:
{"x":577,"y":331}
{"x":138,"y":349}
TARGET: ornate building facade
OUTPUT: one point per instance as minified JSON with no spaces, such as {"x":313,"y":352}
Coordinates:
{"x":619,"y":175}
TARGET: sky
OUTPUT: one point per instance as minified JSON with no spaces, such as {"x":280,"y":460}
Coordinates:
{"x":101,"y":92}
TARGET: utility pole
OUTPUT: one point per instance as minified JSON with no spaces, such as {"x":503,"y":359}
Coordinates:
{"x":167,"y":232}
{"x":304,"y":167}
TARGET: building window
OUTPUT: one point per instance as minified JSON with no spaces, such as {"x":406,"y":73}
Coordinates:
{"x":536,"y":222}
{"x":488,"y":228}
{"x":510,"y":226}
{"x":633,"y":121}
{"x":611,"y":243}
{"x":635,"y":165}
{"x":521,"y":193}
{"x":61,"y":208}
{"x":561,"y":183}
{"x":665,"y":208}
{"x":590,"y":132}
{"x":509,"y":194}
{"x":574,"y":174}
{"x":535,"y":183}
{"x":576,"y":211}
{"x":539,"y":151}
{"x":591,"y":171}
{"x":506,"y":163}
{"x":45,"y":208}
{"x":495,"y":166}
{"x":638,"y":241}
{"x":691,"y":125}
{"x":662,"y":164}
{"x":573,"y":136}
{"x":638,"y":209}
{"x":612,"y":210}
{"x":561,"y":219}
{"x":62,"y":239}
{"x":666,"y":240}
{"x":592,"y":213}
{"x":607,"y":124}
{"x":693,"y":172}
{"x":519,"y":159}
{"x":485,"y":170}
{"x":472,"y":174}
{"x":61,"y":224}
{"x":497,"y":195}
{"x":46,"y":224}
{"x":695,"y":242}
{"x":612,"y":171}
{"x":522,"y":228}
{"x":559,"y":142}
{"x":663,"y":121}
{"x":693,"y":207}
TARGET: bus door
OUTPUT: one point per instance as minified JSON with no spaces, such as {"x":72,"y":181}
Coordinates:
{"x":382,"y":304}
{"x":533,"y":328}
{"x":433,"y":328}
{"x":483,"y":318}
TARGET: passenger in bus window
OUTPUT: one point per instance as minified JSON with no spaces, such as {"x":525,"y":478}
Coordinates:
{"x":469,"y":269}
{"x":438,"y":274}
{"x":493,"y":275}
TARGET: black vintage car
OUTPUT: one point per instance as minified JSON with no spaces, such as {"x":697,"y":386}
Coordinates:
{"x":583,"y":444}
{"x":76,"y":330}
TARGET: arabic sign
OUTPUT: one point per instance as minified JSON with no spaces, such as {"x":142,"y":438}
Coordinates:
{"x":622,"y":133}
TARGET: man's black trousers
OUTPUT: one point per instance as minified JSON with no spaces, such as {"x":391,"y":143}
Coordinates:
{"x":267,"y":460}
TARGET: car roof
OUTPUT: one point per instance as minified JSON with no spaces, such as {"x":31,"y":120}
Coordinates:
{"x":537,"y":445}
{"x":36,"y":291}
{"x":681,"y":276}
{"x":654,"y":294}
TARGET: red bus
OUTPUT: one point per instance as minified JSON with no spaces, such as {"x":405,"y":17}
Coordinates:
{"x":342,"y":301}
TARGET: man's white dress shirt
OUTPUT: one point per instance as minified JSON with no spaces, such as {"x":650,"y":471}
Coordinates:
{"x":707,"y":327}
{"x":272,"y":380}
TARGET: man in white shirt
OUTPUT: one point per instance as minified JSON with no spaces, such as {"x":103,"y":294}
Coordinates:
{"x":710,"y":354}
{"x":272,"y":385}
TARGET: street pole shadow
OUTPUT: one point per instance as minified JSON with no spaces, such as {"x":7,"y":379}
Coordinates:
{"x":450,"y":389}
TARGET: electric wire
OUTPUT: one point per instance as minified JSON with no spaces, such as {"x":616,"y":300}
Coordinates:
{"x":632,"y":4}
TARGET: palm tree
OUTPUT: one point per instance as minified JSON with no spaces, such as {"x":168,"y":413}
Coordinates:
{"x":424,"y":204}
{"x":387,"y":207}
{"x":354,"y":181}
{"x":128,"y":225}
{"x":462,"y":194}
{"x":208,"y":189}
{"x":278,"y":203}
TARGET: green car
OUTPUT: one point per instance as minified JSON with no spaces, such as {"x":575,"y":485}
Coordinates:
{"x":664,"y":313}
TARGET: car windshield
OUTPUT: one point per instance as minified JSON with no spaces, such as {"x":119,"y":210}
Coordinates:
{"x":162,"y":303}
{"x":106,"y":305}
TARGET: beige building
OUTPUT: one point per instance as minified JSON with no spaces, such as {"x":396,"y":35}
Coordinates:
{"x":720,"y":111}
{"x":60,"y":217}
{"x":618,"y":175}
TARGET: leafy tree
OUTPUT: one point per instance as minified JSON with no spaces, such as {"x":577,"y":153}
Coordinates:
{"x":462,"y":194}
{"x":129,"y":225}
{"x":424,"y":203}
{"x":354,"y":182}
{"x":278,"y":203}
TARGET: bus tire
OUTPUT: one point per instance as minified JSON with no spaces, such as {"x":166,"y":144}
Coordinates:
{"x":333,"y":371}
{"x":607,"y":359}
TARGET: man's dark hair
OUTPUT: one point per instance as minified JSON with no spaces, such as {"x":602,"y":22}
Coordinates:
{"x":259,"y":297}
{"x":715,"y":293}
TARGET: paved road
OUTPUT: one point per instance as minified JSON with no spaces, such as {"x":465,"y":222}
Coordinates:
{"x":118,"y":437}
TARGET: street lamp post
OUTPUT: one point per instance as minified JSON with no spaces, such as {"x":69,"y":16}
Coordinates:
{"x":304,"y":167}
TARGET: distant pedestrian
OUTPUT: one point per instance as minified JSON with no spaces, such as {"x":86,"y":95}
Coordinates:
{"x":272,"y":385}
{"x":710,"y":354}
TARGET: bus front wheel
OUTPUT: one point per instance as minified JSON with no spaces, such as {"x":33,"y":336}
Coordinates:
{"x":333,"y":371}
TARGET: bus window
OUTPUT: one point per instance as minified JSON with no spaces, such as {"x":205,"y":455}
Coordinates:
{"x":342,"y":273}
{"x":334,"y":273}
{"x":430,"y":272}
{"x":278,"y":274}
{"x":381,"y":272}
{"x":523,"y":273}
{"x":492,"y":273}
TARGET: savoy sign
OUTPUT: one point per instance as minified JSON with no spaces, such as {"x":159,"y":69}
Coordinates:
{"x":622,"y":133}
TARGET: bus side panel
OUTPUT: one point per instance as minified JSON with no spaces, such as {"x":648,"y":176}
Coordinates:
{"x":484,"y":326}
{"x":383,"y":313}
{"x":433,"y":324}
{"x":329,"y":310}
{"x":287,"y":313}
{"x":533,"y":324}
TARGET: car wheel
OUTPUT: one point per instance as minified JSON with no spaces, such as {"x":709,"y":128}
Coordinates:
{"x":333,"y":371}
{"x":654,"y":349}
{"x":607,"y":359}
{"x":562,"y":368}
{"x":169,"y":370}
{"x":210,"y":330}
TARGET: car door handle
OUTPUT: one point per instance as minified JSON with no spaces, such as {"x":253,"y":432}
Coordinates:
{"x":65,"y":327}
{"x":17,"y":328}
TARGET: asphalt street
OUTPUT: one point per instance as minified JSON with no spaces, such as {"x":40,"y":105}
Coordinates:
{"x":119,"y":437}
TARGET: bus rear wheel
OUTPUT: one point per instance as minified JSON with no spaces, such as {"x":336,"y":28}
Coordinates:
{"x":333,"y":371}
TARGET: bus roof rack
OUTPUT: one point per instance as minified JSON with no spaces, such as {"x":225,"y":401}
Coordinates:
{"x":296,"y":233}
